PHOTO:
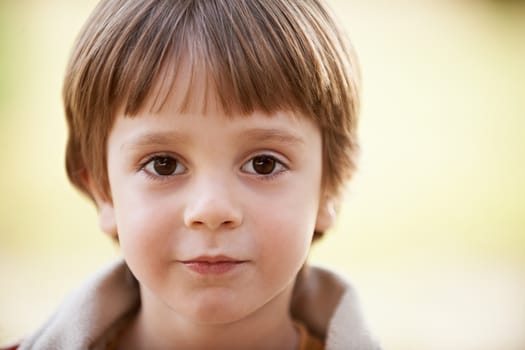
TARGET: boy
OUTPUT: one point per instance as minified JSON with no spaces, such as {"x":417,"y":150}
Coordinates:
{"x":214,"y":137}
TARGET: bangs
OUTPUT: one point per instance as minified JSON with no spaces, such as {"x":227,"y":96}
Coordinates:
{"x":251,"y":55}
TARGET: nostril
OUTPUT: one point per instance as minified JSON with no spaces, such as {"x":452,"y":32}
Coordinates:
{"x":212,"y":214}
{"x":198,"y":223}
{"x":214,"y":226}
{"x":228,"y":223}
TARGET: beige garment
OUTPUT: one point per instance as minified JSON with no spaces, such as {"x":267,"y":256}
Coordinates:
{"x":323,"y":301}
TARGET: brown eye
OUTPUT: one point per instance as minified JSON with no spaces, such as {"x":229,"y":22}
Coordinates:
{"x":164,"y":166}
{"x":263,"y":165}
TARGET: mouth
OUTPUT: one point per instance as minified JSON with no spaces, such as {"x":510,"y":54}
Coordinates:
{"x":213,"y":265}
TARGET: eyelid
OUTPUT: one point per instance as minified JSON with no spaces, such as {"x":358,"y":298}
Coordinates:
{"x":279,"y":160}
{"x":159,"y":154}
{"x":152,"y":157}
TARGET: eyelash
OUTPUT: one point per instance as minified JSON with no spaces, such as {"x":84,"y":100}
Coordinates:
{"x":155,"y":176}
{"x":279,"y":165}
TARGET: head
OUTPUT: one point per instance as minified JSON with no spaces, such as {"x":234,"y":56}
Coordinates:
{"x":264,"y":56}
{"x":212,"y":130}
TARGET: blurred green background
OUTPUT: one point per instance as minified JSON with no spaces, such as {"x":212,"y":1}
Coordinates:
{"x":432,"y":231}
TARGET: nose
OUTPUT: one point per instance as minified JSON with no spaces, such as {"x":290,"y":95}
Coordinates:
{"x":212,"y":206}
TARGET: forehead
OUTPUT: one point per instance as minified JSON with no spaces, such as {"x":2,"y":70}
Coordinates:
{"x":203,"y":121}
{"x":186,"y":93}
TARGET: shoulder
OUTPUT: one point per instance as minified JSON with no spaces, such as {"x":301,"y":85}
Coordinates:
{"x":88,"y":313}
{"x":322,"y":287}
{"x":329,"y":306}
{"x":317,"y":294}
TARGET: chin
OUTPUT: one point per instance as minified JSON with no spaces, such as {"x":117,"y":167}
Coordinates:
{"x":216,"y":316}
{"x":215,"y":310}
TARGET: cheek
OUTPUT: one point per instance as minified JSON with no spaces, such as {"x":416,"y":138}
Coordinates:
{"x":284,"y":233}
{"x":144,"y":226}
{"x":289,"y":215}
{"x":145,"y":237}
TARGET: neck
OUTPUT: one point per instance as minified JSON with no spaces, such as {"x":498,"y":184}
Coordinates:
{"x":270,"y":327}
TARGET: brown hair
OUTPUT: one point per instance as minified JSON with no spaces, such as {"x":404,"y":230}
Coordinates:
{"x":260,"y":55}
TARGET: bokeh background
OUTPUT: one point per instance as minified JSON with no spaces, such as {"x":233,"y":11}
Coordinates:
{"x":432,"y":231}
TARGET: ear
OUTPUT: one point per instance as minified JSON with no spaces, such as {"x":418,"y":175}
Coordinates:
{"x":106,"y":218}
{"x":325,"y":215}
{"x":106,"y":212}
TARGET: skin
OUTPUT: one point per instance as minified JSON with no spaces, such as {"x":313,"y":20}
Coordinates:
{"x":210,"y":199}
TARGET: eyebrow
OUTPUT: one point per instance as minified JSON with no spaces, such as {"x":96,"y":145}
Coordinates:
{"x":175,"y":138}
{"x":155,"y":139}
{"x":273,"y":135}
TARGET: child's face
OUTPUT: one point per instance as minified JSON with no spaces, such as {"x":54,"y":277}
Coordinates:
{"x":214,"y":214}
